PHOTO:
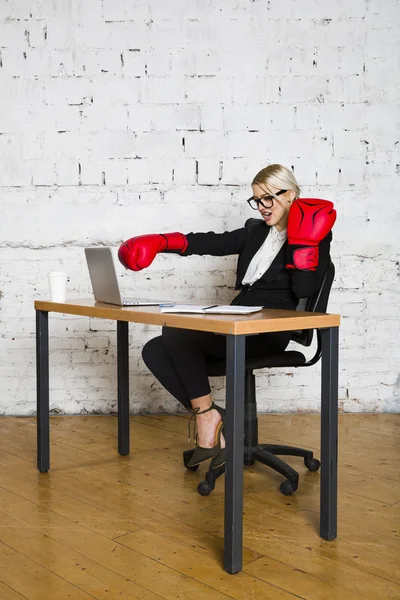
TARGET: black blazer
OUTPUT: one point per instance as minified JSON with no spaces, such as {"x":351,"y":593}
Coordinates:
{"x":278,"y":287}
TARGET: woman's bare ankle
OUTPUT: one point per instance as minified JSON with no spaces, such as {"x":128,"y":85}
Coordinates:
{"x":206,"y":428}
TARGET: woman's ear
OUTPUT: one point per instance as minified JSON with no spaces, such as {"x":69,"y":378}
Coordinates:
{"x":292,"y":196}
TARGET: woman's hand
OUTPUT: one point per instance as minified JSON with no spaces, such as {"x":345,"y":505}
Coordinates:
{"x":310,"y":220}
{"x":138,"y":253}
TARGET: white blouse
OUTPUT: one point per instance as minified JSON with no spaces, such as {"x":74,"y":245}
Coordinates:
{"x":263,"y":259}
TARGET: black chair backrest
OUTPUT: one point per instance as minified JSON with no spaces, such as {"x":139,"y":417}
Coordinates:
{"x":318,"y":302}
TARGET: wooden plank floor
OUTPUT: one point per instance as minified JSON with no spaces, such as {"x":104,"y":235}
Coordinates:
{"x":102,"y":526}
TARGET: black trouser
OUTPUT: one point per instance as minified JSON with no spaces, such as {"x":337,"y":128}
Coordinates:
{"x":178,"y":358}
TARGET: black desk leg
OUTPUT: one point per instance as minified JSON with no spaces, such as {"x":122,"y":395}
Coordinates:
{"x":123,"y":386}
{"x":234,"y":434}
{"x":329,"y":432}
{"x":42,"y":393}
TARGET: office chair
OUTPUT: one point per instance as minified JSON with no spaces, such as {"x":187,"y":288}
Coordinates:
{"x":268,"y":453}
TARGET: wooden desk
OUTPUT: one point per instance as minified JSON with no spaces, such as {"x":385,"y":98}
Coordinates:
{"x":236,"y":328}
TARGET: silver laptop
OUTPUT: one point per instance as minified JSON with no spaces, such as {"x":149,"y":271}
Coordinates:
{"x":104,"y":279}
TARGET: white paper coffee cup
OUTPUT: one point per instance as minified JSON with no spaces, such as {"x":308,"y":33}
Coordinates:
{"x":58,"y":286}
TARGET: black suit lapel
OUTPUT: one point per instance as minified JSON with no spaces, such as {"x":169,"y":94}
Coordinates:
{"x":276,"y":265}
{"x":255,"y":239}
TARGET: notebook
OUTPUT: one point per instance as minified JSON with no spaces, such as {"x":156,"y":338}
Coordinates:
{"x":104,"y":279}
{"x":209,"y":310}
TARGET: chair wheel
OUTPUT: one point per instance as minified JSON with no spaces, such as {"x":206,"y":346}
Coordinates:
{"x":187,"y":455}
{"x":312,"y":464}
{"x":205,"y":488}
{"x":288,"y":487}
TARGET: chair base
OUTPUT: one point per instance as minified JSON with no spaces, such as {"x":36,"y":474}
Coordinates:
{"x":266,"y":454}
{"x":255,"y":452}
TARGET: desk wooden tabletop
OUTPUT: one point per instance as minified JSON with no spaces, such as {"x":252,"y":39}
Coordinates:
{"x":266,"y":320}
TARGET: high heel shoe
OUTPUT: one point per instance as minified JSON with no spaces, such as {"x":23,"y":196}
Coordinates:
{"x":218,"y":460}
{"x":201,"y":454}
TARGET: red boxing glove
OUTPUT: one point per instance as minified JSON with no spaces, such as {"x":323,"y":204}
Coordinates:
{"x":137,"y":253}
{"x":310,"y":220}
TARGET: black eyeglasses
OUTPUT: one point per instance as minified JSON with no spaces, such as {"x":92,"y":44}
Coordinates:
{"x":265,"y":201}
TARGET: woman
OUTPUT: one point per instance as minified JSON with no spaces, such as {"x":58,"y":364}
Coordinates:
{"x":282,"y":257}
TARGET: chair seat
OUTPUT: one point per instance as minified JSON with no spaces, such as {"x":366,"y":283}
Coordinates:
{"x":290,"y":358}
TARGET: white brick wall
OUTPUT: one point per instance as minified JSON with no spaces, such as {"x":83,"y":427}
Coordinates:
{"x":119,"y":118}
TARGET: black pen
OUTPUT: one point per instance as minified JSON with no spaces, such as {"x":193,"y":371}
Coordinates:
{"x":213,"y":306}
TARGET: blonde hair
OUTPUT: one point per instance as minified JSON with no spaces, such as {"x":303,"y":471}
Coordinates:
{"x":279,"y":177}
